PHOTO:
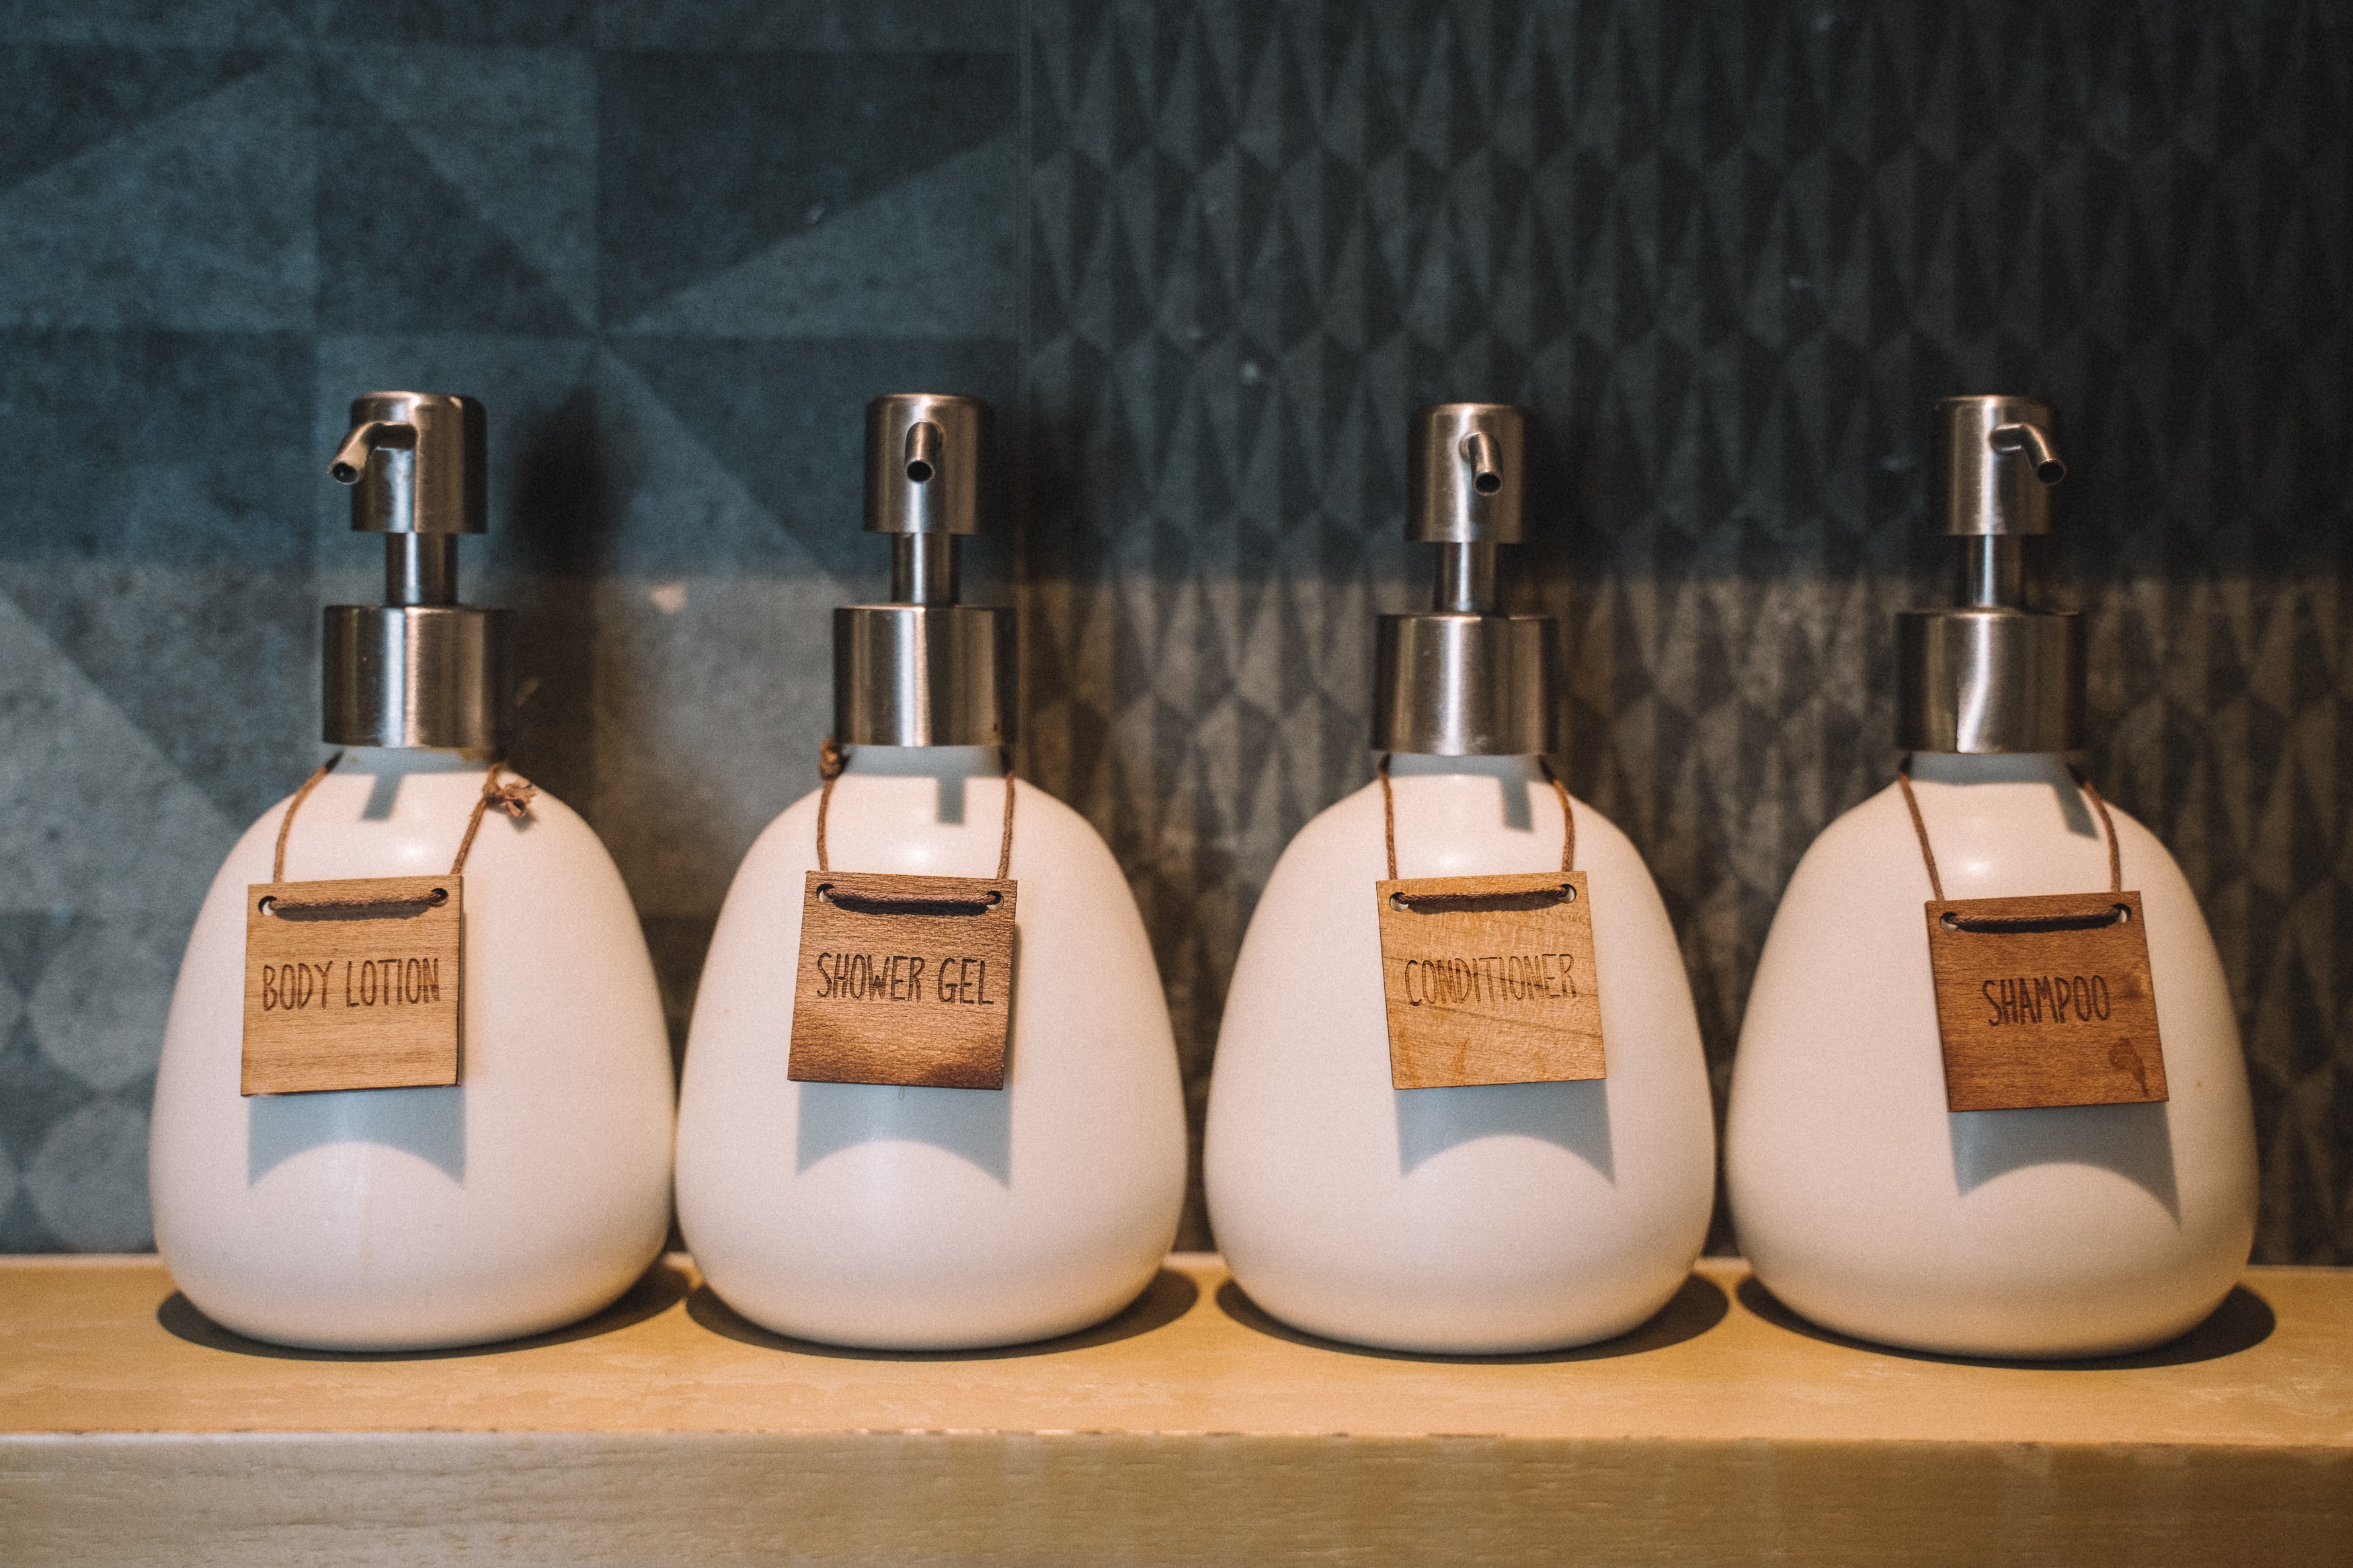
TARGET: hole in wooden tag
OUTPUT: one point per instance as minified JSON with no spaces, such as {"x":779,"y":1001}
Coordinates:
{"x":379,"y":909}
{"x":1490,"y":980}
{"x":1482,"y":903}
{"x":354,"y":984}
{"x":2115,"y":915}
{"x":903,"y":980}
{"x":872,"y":903}
{"x":2045,"y":1001}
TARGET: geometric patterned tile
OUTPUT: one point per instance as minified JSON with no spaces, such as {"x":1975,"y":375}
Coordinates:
{"x":168,"y":572}
{"x":817,"y":26}
{"x":197,"y":218}
{"x":1727,"y":261}
{"x":481,"y":22}
{"x":88,"y":1181}
{"x":98,"y":1010}
{"x":513,"y":132}
{"x":40,"y":1096}
{"x":56,"y":102}
{"x":490,"y":152}
{"x":706,"y":158}
{"x":144,"y":25}
{"x":898,"y":264}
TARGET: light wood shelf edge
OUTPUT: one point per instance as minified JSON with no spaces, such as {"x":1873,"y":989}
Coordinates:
{"x":1199,"y":1439}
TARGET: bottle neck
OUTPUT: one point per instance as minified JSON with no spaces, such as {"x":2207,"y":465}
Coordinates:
{"x":400,"y":762}
{"x":924,"y":761}
{"x":1984,"y":768}
{"x":1422,"y":764}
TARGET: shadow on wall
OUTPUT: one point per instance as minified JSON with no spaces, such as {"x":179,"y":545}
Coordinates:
{"x":553,"y":543}
{"x":552,"y":548}
{"x":1063,"y":537}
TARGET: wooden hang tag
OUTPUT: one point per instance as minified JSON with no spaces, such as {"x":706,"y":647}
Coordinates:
{"x":360,"y":990}
{"x":2045,"y":1001}
{"x":1490,"y":980}
{"x":903,"y":980}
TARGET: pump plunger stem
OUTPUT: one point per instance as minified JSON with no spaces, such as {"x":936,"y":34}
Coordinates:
{"x":1991,"y":575}
{"x":1466,"y":580}
{"x":420,"y":568}
{"x":924,"y":568}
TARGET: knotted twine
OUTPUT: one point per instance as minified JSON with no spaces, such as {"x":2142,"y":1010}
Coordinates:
{"x":514,"y":798}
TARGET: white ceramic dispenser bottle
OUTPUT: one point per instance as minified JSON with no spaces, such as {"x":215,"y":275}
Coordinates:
{"x":534,"y":1189}
{"x":1494,"y":1216}
{"x":916,"y":1216}
{"x":1863,"y":1202}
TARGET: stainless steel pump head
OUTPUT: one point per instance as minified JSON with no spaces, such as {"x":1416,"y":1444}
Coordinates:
{"x":419,"y":670}
{"x":923,"y":671}
{"x":1463,"y":679}
{"x":1992,"y":675}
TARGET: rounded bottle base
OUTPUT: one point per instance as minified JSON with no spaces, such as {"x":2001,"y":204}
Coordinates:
{"x":1431,"y":1345}
{"x":445,"y":1337}
{"x":1031,"y":1329}
{"x":2053,"y":1345}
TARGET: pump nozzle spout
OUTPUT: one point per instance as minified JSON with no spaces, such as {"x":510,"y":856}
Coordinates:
{"x":1462,"y":474}
{"x":1486,"y":464}
{"x":351,"y":459}
{"x":922,"y":452}
{"x":2035,"y":442}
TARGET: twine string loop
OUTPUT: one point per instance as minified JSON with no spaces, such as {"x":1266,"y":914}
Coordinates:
{"x":831,"y":760}
{"x":2067,"y":922}
{"x":1440,"y":902}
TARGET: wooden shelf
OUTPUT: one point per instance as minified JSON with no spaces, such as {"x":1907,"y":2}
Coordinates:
{"x":1190,"y":1430}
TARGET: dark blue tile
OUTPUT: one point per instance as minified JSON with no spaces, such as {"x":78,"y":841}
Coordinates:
{"x":28,"y":939}
{"x":40,"y":1094}
{"x":707,"y":158}
{"x":159,"y":532}
{"x":54,"y":102}
{"x":403,"y":249}
{"x":742,"y":24}
{"x":157,"y":23}
{"x":197,"y":216}
{"x":454,"y":21}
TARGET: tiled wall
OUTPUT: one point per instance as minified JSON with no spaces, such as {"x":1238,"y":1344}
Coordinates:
{"x":1204,"y":259}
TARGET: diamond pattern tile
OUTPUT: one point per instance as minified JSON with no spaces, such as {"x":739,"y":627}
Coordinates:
{"x":1728,"y":256}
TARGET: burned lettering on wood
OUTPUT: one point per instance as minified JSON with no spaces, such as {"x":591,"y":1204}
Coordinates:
{"x":1490,"y":980}
{"x":2045,"y":1001}
{"x":903,"y":980}
{"x":352,"y":983}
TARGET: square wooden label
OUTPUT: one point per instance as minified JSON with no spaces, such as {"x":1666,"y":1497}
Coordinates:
{"x":903,"y":980}
{"x":350,"y":995}
{"x":2045,"y":1001}
{"x":1490,"y":980}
